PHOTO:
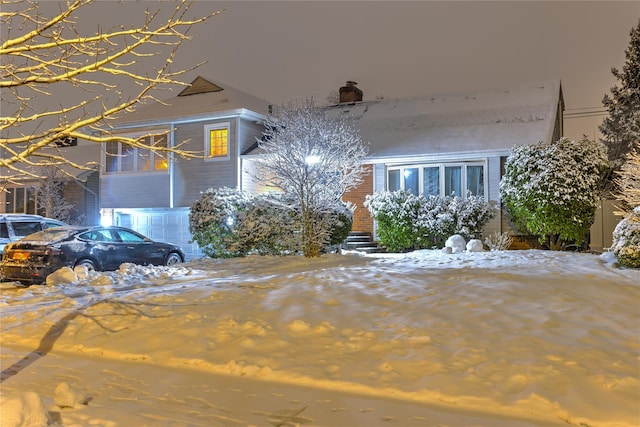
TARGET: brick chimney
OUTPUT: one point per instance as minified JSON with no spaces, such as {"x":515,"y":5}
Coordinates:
{"x":350,"y":93}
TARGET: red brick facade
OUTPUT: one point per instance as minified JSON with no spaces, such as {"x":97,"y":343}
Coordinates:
{"x":362,"y":220}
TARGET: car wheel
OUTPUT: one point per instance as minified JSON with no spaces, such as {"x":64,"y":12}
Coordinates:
{"x":87,"y":263}
{"x":173,"y":258}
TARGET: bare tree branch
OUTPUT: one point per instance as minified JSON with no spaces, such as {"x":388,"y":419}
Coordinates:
{"x":44,"y":59}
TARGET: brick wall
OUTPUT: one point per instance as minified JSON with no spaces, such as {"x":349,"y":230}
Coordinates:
{"x":362,"y":220}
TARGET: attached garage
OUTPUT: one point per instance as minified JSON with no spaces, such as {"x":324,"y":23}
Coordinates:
{"x":166,"y":225}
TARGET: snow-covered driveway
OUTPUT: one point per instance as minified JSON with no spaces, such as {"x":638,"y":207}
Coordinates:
{"x":495,"y":338}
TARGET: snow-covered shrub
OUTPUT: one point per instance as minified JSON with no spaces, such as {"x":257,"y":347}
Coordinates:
{"x":406,"y":221}
{"x":551,"y":190}
{"x":397,"y":214}
{"x":268,"y":225}
{"x":436,"y":221}
{"x":471,"y":214}
{"x":341,"y":222}
{"x":498,"y":241}
{"x":227,"y":223}
{"x":213,"y":221}
{"x":626,"y":240}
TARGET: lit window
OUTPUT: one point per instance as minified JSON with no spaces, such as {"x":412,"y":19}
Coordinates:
{"x":217,"y":141}
{"x":411,"y":180}
{"x":438,"y":179}
{"x":123,"y":158}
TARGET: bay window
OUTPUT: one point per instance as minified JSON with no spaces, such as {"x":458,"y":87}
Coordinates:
{"x":444,"y":179}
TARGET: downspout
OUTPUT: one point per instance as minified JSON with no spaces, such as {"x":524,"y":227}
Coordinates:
{"x":239,"y":159}
{"x":171,"y":166}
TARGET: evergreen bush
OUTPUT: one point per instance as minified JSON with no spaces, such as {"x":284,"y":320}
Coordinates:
{"x":406,"y":221}
{"x":213,"y":220}
{"x":228,"y":223}
{"x":551,"y":190}
{"x":626,"y":240}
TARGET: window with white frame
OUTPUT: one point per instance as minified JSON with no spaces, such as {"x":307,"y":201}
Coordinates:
{"x":21,"y":200}
{"x":216,"y":141}
{"x":444,"y":179}
{"x":123,"y":158}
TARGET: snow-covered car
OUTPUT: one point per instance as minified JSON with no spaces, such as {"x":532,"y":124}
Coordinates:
{"x":16,"y":226}
{"x":31,"y":259}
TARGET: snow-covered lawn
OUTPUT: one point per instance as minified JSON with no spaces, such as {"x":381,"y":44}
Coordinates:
{"x":513,"y":338}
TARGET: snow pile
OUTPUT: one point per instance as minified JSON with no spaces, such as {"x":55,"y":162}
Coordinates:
{"x":500,"y":338}
{"x":25,"y":409}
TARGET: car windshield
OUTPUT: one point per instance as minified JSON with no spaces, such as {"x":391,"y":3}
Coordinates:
{"x":49,"y":235}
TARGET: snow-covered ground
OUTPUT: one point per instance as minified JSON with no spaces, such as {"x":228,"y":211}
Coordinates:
{"x":512,"y":338}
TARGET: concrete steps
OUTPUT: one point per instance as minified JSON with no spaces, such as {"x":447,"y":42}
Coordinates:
{"x":363,"y":241}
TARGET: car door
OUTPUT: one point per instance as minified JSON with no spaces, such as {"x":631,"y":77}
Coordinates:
{"x":138,"y":249}
{"x":102,"y":245}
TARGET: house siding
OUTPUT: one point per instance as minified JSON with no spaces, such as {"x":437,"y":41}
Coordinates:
{"x":134,"y":190}
{"x":193,"y":176}
{"x":85,"y":200}
{"x":249,"y":132}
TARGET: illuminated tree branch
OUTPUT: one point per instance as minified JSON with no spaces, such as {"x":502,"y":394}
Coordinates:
{"x":45,"y":59}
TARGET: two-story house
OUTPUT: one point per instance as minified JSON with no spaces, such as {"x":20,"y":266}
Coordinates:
{"x":151,"y":192}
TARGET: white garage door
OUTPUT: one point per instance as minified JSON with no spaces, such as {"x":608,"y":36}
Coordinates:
{"x":165,"y":225}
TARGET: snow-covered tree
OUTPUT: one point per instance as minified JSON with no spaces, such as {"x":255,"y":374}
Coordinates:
{"x":60,"y":83}
{"x":314,"y":158}
{"x":50,"y":193}
{"x":621,"y":129}
{"x":551,"y":190}
{"x":628,"y":180}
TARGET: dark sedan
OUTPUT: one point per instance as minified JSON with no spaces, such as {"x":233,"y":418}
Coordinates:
{"x":33,"y":258}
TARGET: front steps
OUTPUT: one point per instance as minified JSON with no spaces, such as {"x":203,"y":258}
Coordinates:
{"x":363,"y":241}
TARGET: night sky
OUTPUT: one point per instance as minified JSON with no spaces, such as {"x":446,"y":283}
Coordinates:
{"x":294,"y":49}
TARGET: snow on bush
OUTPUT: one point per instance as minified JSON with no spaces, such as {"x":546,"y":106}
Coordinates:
{"x":498,"y":241}
{"x":626,"y":240}
{"x":229,"y":223}
{"x":212,"y":221}
{"x":268,"y":226}
{"x":397,"y":216}
{"x":406,"y":221}
{"x":551,"y":190}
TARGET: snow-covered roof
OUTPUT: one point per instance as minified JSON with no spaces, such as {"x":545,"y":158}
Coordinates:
{"x":465,"y":123}
{"x":203,"y":98}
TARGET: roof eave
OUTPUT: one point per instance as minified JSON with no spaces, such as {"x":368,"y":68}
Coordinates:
{"x":228,"y":114}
